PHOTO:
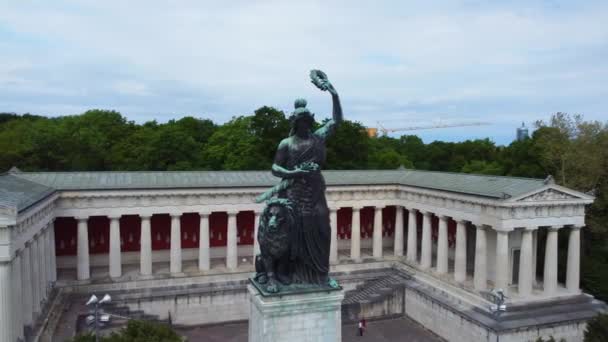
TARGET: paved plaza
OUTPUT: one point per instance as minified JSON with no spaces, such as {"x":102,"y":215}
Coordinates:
{"x":394,"y":330}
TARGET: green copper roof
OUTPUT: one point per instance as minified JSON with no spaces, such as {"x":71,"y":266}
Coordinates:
{"x":488,"y":186}
{"x":21,"y":193}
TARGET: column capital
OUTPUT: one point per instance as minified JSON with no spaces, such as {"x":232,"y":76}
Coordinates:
{"x":232,"y":212}
{"x":175,"y":215}
{"x":378,"y":208}
{"x":551,"y":228}
{"x":574,"y":227}
{"x":480,"y":226}
{"x":80,"y":218}
{"x":356,"y":208}
{"x":145,"y":216}
{"x":426,"y":213}
{"x":461,"y":221}
{"x":444,"y":217}
{"x":205,"y":213}
{"x":411,"y":210}
{"x":114,"y":216}
{"x":502,"y":232}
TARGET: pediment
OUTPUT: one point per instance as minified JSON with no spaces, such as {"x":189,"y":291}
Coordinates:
{"x":548,"y":195}
{"x":553,"y":193}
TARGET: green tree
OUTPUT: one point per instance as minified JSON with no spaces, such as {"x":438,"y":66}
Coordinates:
{"x":383,"y":154}
{"x":136,"y":331}
{"x":233,"y":146}
{"x":348,"y":149}
{"x":597,"y":329}
{"x":482,"y":167}
{"x":270,"y":126}
{"x":415,"y":150}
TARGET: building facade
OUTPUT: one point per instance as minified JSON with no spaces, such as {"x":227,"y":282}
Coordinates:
{"x":465,"y":234}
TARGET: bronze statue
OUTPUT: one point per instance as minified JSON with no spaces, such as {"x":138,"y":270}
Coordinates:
{"x":298,"y":162}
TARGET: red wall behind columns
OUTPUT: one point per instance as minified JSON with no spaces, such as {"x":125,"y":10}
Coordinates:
{"x":218,"y":228}
{"x":65,"y":236}
{"x":99,"y":235}
{"x":451,"y":233}
{"x":388,"y":221}
{"x":367,"y":222}
{"x":419,"y":227}
{"x":190,"y":223}
{"x":244,"y":223}
{"x":434,"y":228}
{"x":130,"y":232}
{"x":345,"y":216}
{"x":161,"y":231}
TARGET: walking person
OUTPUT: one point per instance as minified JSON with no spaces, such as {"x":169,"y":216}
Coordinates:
{"x":360,"y":327}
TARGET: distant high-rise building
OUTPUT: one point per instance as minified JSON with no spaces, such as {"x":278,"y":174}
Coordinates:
{"x":522,"y":132}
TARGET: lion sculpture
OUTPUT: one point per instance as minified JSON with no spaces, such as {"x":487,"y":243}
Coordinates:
{"x":272,"y":265}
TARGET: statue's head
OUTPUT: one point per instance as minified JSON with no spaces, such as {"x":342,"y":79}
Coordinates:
{"x":301,"y":118}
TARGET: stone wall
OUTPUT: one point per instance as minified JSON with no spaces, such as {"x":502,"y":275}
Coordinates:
{"x":452,"y":325}
{"x":389,"y":306}
{"x":196,"y":308}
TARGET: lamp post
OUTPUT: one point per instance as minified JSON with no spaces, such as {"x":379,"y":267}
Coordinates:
{"x":499,"y":299}
{"x":96,"y":303}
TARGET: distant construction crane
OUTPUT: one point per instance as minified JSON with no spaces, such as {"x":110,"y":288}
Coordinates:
{"x":386,"y":131}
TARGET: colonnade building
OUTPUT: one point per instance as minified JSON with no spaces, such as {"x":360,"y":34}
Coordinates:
{"x":458,"y":233}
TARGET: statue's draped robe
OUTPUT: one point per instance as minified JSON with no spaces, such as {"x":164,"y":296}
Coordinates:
{"x":310,"y":241}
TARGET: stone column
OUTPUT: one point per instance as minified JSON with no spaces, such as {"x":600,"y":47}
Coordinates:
{"x":231,"y":242}
{"x":42,"y":281}
{"x":355,"y":235}
{"x":16,"y":297}
{"x":412,"y":232}
{"x":550,"y":276}
{"x":35,"y":277}
{"x":333,"y":250}
{"x":82,"y":251}
{"x":115,"y":260}
{"x":426,"y":254}
{"x":176,"y":244}
{"x":574,"y":260}
{"x":204,"y":258}
{"x":53,"y":256}
{"x":145,"y":246}
{"x":26,"y":283}
{"x":525,"y":266}
{"x":256,"y":243}
{"x":460,"y":257}
{"x":501,"y":280}
{"x":7,"y":312}
{"x":442,"y":246}
{"x":47,"y":257}
{"x":480,"y":275}
{"x":377,"y":240}
{"x":42,"y":267}
{"x":398,"y":244}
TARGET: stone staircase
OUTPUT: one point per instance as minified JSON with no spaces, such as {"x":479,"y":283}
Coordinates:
{"x":380,"y":297}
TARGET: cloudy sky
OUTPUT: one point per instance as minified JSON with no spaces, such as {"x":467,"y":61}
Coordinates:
{"x":400,"y":63}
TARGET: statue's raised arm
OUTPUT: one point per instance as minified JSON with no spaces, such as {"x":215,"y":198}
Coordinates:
{"x":319,"y":79}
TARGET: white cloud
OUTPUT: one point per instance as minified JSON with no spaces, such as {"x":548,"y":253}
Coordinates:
{"x":385,"y":58}
{"x":129,"y":87}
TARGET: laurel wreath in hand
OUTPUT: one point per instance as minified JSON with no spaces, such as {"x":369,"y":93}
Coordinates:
{"x":319,"y":79}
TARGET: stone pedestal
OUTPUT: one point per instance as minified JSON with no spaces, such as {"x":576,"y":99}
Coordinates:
{"x":303,"y":317}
